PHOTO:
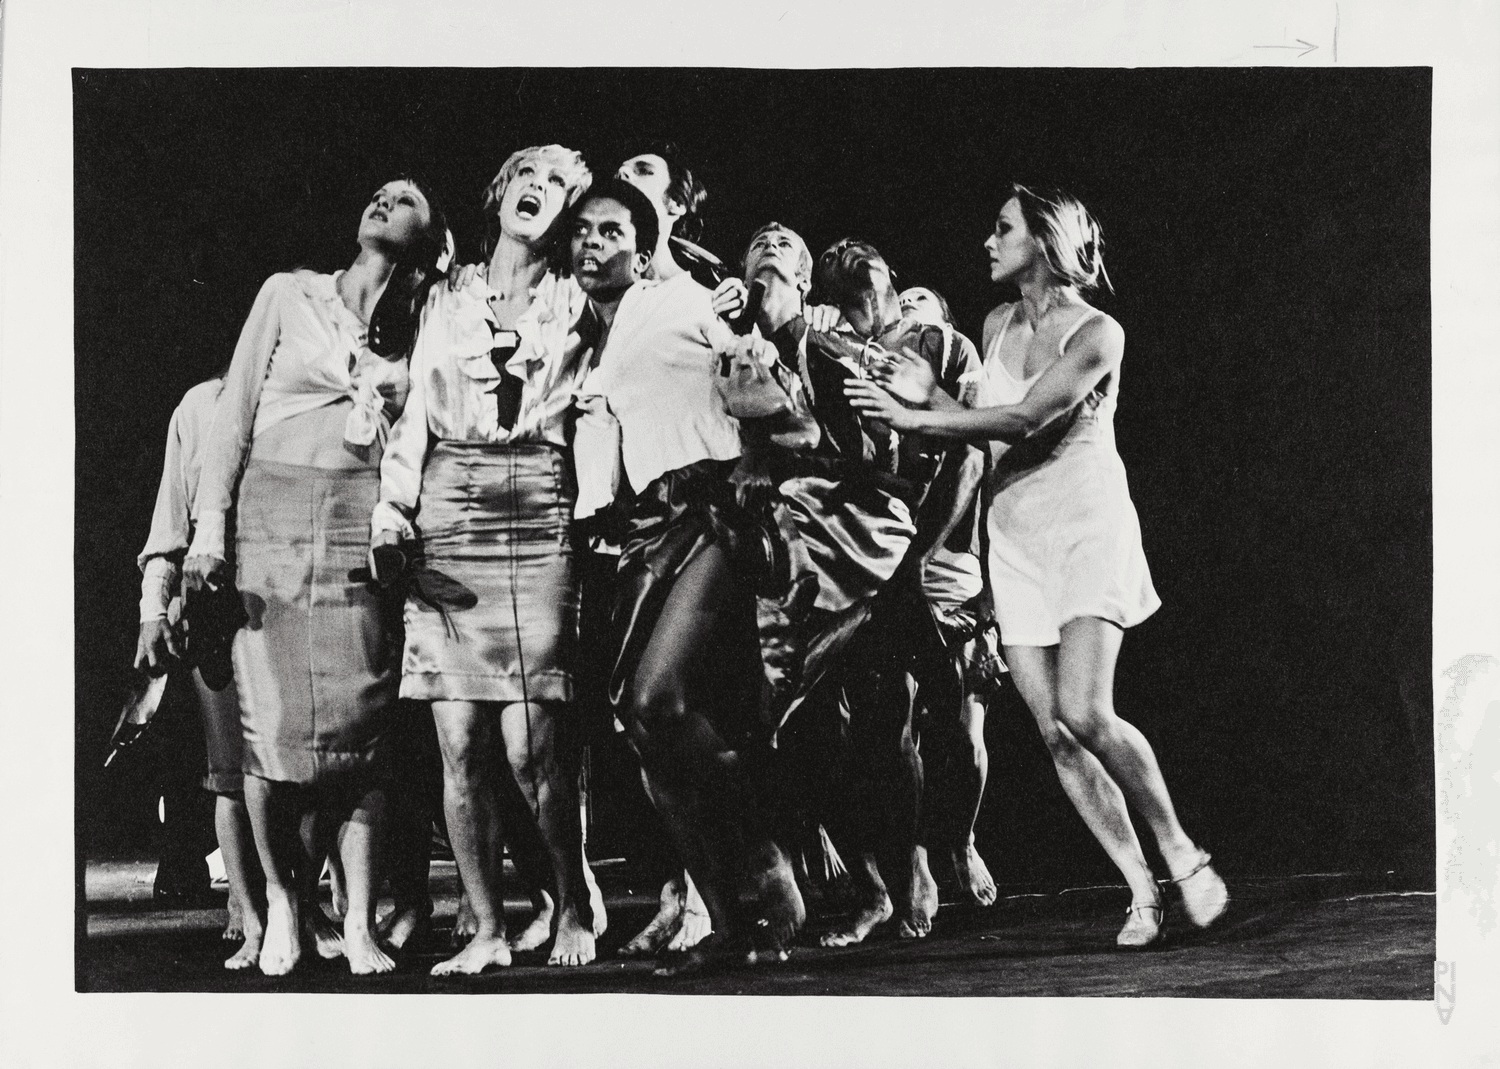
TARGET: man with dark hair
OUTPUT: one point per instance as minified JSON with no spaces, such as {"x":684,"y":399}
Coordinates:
{"x":678,"y":594}
{"x":660,"y":173}
{"x":854,"y":502}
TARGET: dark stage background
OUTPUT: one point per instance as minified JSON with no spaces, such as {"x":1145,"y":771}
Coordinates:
{"x":1268,"y":237}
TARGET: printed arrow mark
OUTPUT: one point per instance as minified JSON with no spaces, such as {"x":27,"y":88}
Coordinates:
{"x":1307,"y":46}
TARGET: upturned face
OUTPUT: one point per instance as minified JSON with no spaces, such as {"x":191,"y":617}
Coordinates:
{"x":531,"y":202}
{"x":605,"y":259}
{"x":921,"y":304}
{"x":1012,"y":248}
{"x":877,"y":307}
{"x":649,"y":173}
{"x":778,"y":252}
{"x":396,"y":218}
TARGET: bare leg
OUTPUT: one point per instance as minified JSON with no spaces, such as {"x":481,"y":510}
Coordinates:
{"x":1085,"y":682}
{"x":465,"y":924}
{"x":924,"y":897}
{"x":319,"y":834}
{"x":274,"y":817}
{"x":541,"y":771}
{"x":969,"y":771}
{"x":532,"y":861}
{"x":358,"y":845}
{"x":474,"y":830}
{"x":237,"y":844}
{"x":338,"y":889}
{"x":1088,"y":786}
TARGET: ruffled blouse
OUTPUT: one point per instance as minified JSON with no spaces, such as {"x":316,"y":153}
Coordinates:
{"x":301,"y":349}
{"x":453,"y":383}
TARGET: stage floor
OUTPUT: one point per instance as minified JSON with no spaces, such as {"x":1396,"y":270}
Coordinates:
{"x":1313,"y":936}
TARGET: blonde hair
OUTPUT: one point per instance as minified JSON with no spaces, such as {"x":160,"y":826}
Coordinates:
{"x":575,"y":173}
{"x":1070,"y":238}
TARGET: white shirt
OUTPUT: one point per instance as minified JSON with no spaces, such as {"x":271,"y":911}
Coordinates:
{"x":172,"y":519}
{"x":453,"y":381}
{"x":301,"y":349}
{"x":656,"y":377}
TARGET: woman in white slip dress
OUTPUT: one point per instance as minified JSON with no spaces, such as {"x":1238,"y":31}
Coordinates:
{"x":1066,"y":564}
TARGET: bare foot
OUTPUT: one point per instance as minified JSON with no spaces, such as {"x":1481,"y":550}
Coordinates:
{"x":364,"y":954}
{"x":249,"y":954}
{"x":877,"y":912}
{"x":917,"y":922}
{"x":774,"y":886}
{"x":465,"y":924}
{"x":694,"y":924}
{"x":405,"y":925}
{"x":575,"y":943}
{"x":596,"y":901}
{"x":482,"y":953}
{"x":664,"y":926}
{"x":282,"y":948}
{"x":973,"y":875}
{"x":321,"y":932}
{"x":234,"y":924}
{"x":539,"y":930}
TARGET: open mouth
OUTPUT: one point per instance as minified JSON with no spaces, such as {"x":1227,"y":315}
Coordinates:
{"x":586,"y":265}
{"x":378,"y":214}
{"x":529,"y":206}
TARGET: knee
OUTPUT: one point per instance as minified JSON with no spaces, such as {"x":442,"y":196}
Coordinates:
{"x":658,"y":709}
{"x":465,"y":763}
{"x":1088,"y":720}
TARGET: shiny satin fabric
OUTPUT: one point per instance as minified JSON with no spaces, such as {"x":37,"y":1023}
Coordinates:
{"x":672,"y":521}
{"x":494,"y":521}
{"x":314,"y":666}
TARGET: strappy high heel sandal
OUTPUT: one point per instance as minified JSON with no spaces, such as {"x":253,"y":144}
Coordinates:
{"x":1143,"y":925}
{"x":1204,"y":896}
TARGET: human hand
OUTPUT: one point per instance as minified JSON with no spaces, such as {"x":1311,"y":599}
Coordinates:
{"x":460,"y":275}
{"x":824,"y":318}
{"x":729,"y":299}
{"x":156,"y":646}
{"x":385,"y":540}
{"x":906,"y":375}
{"x":872,"y":402}
{"x":202,"y":571}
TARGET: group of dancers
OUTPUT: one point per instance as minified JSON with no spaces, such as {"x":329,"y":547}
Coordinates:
{"x":780,"y":531}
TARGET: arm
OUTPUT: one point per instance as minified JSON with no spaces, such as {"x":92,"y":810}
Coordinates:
{"x":159,"y":560}
{"x":234,"y":422}
{"x":1095,"y":351}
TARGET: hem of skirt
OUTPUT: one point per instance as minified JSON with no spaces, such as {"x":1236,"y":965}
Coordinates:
{"x":446,"y":686}
{"x":304,"y":766}
{"x":224,"y":782}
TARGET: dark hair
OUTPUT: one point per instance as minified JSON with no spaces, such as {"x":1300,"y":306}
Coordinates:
{"x":1071,"y":240}
{"x":842,"y":273}
{"x":682,"y":186}
{"x":393,"y":323}
{"x":642,"y":211}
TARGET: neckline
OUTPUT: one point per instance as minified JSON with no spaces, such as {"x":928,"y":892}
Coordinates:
{"x":1062,"y":343}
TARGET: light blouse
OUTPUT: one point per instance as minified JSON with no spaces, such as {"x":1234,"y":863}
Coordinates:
{"x":172,"y":519}
{"x":656,"y":377}
{"x":453,"y":381}
{"x":301,"y":349}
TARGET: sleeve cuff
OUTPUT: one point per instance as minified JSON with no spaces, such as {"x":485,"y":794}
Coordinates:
{"x":208,"y":539}
{"x":158,"y":587}
{"x":387,"y":518}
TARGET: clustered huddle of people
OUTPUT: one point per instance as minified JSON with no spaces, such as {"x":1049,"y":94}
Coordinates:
{"x":778,"y":534}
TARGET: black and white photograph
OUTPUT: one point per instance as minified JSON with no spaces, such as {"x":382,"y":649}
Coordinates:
{"x":630,"y":525}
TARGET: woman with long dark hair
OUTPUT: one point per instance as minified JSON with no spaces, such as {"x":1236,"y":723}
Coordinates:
{"x":1066,"y":565}
{"x":478,"y":482}
{"x":294,"y":455}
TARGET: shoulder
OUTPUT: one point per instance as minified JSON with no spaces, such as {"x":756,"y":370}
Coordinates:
{"x":1096,"y":330}
{"x":998,"y":314}
{"x":201,"y":396}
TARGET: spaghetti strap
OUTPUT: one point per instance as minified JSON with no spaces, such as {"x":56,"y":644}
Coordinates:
{"x":1080,"y":321}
